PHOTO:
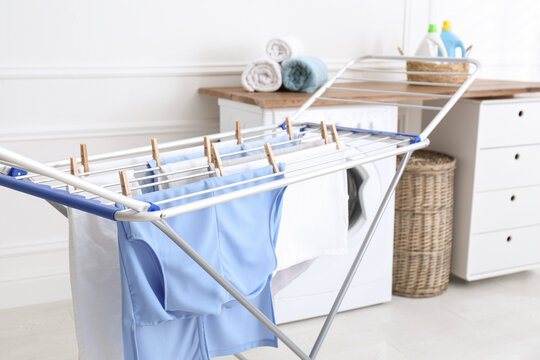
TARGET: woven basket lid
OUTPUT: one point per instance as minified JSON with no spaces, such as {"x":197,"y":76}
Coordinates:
{"x":427,"y":160}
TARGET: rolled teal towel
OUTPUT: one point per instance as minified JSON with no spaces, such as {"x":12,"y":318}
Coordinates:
{"x":304,"y":74}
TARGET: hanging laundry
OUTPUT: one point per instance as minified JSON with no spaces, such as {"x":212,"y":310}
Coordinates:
{"x":181,"y":171}
{"x":315,"y":217}
{"x":163,"y":284}
{"x":172,"y":166}
{"x":234,"y":330}
{"x":95,"y":282}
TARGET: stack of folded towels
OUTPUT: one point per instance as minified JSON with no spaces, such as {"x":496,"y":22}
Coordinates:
{"x":285,"y":64}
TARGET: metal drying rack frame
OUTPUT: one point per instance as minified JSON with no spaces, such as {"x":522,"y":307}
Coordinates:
{"x":21,"y":173}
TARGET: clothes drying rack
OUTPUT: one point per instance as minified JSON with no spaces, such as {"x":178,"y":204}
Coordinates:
{"x":354,"y":147}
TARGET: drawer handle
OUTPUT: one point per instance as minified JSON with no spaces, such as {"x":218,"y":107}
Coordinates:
{"x":520,"y":113}
{"x":508,"y":239}
{"x":516,"y":156}
{"x":513,"y":197}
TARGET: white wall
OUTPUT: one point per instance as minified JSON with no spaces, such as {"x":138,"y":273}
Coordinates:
{"x":504,"y":34}
{"x":116,"y":73}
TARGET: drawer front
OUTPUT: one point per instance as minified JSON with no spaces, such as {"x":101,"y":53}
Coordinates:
{"x":508,"y":167}
{"x":508,"y":124}
{"x":504,"y":249}
{"x":504,"y":209}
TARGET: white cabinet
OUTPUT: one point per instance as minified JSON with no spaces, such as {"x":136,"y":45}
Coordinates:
{"x":497,"y":184}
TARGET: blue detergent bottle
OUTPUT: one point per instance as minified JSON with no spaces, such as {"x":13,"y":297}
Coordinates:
{"x":451,"y":41}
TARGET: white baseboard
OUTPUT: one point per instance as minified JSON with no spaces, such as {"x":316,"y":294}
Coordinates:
{"x":34,"y":273}
{"x":35,"y":290}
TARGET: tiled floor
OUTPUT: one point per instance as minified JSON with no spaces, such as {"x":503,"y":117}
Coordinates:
{"x":490,"y":319}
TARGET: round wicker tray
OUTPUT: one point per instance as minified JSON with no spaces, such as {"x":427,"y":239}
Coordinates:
{"x":434,"y":67}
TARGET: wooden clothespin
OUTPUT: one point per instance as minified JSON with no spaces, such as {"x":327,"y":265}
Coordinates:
{"x":124,"y":183}
{"x":335,"y":136}
{"x":217,"y":160}
{"x":289,"y":128}
{"x":155,"y":151}
{"x":74,"y":169}
{"x":270,"y":157}
{"x":324,"y":132}
{"x":238,"y":133}
{"x":84,"y":158}
{"x":73,"y":166}
{"x":208,"y":149}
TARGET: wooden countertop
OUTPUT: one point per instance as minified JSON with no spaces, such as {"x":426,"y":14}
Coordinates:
{"x":481,"y":88}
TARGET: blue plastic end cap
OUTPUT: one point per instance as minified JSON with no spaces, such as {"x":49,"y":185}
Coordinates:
{"x":17,"y":172}
{"x":416,"y":139}
{"x":284,"y":125}
{"x":153,"y":207}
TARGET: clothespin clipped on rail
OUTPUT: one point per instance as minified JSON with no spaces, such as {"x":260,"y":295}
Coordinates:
{"x":74,"y":169}
{"x":238,"y":133}
{"x":270,"y":157}
{"x":335,"y":136}
{"x":84,"y":158}
{"x":324,"y":133}
{"x":124,"y":183}
{"x":217,"y":160}
{"x":208,"y":149}
{"x":155,"y":151}
{"x":289,"y":128}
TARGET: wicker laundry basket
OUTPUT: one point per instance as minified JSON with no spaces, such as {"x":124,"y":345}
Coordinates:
{"x":442,"y":68}
{"x":423,"y":225}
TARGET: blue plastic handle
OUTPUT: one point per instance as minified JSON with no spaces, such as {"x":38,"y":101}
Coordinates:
{"x":59,"y":196}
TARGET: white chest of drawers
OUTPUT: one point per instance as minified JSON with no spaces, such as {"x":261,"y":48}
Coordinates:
{"x":497,"y":185}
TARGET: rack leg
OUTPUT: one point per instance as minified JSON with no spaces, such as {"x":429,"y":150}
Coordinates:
{"x":240,"y":357}
{"x":62,"y":209}
{"x":171,"y":233}
{"x":354,"y":267}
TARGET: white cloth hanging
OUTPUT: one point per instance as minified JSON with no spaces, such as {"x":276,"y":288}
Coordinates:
{"x":170,"y":172}
{"x":95,"y":279}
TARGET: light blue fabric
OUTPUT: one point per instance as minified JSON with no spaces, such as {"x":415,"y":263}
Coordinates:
{"x":177,"y":339}
{"x":165,"y":289}
{"x":236,"y":330}
{"x":304,"y":74}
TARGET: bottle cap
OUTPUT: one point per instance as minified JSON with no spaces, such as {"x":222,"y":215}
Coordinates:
{"x":432,"y":28}
{"x":446,"y":25}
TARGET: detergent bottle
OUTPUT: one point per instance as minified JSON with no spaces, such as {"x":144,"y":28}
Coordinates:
{"x":432,"y":44}
{"x":451,"y":41}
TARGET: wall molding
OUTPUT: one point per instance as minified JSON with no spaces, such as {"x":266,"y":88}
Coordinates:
{"x":63,"y":132}
{"x":34,"y":248}
{"x":124,"y":71}
{"x":129,"y":71}
{"x":35,"y":261}
{"x":35,"y":290}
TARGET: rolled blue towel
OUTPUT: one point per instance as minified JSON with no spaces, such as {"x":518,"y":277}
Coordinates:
{"x":304,"y":74}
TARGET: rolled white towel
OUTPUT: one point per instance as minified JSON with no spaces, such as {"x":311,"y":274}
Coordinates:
{"x":262,"y":75}
{"x":283,"y":48}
